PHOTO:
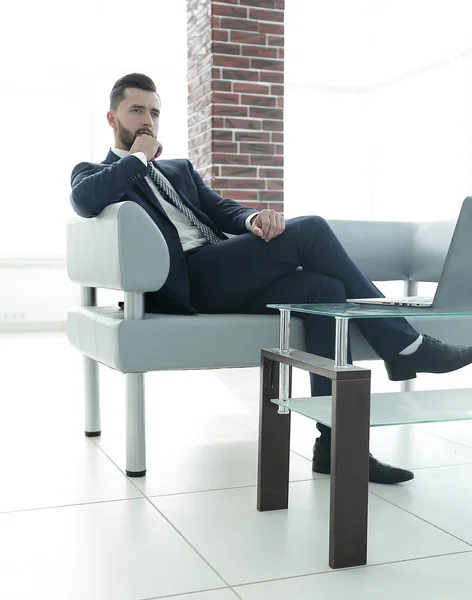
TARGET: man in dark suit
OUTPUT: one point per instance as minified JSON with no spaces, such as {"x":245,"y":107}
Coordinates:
{"x":267,"y":261}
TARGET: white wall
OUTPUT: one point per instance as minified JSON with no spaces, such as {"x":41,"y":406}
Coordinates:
{"x":33,"y":296}
{"x":422,"y":143}
{"x":378,"y":116}
{"x":327,"y":150}
{"x":57,"y":74}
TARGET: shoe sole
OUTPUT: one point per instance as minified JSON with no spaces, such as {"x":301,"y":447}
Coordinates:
{"x":401,"y":376}
{"x":407,"y":375}
{"x":395,"y":481}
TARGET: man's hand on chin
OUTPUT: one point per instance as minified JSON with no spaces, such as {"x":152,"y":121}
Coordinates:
{"x":268,"y":224}
{"x":151,"y":147}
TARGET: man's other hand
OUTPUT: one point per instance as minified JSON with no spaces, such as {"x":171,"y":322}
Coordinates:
{"x":151,"y":147}
{"x":268,"y":224}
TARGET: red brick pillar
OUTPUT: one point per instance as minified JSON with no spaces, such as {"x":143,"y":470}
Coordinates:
{"x":235,"y":103}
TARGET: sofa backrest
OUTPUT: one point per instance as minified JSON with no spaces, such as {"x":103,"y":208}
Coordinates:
{"x":430,"y":244}
{"x":397,"y":250}
{"x":382,"y":249}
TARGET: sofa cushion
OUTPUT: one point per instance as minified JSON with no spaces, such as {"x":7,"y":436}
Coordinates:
{"x":167,"y":342}
{"x":170,"y":342}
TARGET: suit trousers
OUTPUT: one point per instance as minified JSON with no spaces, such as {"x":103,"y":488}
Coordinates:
{"x":305,"y":264}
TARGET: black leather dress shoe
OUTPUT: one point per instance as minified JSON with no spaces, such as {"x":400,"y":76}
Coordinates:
{"x":432,"y":356}
{"x":378,"y":472}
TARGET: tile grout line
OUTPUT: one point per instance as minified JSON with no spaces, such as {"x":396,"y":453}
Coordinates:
{"x":330,"y":571}
{"x":53,"y":507}
{"x":224,"y":489}
{"x":451,"y":466}
{"x":185,"y":594}
{"x":170,"y":523}
{"x":180,"y":534}
{"x":447,"y":439}
{"x":130,"y":479}
{"x":423,"y":520}
{"x":236,"y":593}
{"x":413,"y":514}
{"x":327,"y":479}
{"x":301,"y":455}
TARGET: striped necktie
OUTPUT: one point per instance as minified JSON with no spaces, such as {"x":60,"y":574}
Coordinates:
{"x":170,"y":196}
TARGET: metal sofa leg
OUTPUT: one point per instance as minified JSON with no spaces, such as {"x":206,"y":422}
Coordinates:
{"x":92,"y":398}
{"x":407,"y":386}
{"x":135,"y":425}
{"x":91,"y":387}
{"x":410,"y":288}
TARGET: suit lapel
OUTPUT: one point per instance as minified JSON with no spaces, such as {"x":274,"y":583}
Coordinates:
{"x":145,"y":189}
{"x":141,"y":184}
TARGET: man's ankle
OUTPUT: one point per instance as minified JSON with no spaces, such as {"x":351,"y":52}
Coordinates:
{"x":412,"y":347}
{"x":325,"y":442}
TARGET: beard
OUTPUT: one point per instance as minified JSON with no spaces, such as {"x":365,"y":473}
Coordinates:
{"x":127,"y":137}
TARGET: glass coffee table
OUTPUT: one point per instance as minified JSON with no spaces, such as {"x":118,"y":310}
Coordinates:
{"x":350,"y":412}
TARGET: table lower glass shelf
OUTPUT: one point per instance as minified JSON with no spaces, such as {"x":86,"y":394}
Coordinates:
{"x":395,"y":408}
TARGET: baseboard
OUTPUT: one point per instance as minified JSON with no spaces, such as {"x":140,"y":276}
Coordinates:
{"x":26,"y":326}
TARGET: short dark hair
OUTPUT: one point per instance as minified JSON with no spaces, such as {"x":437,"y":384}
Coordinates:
{"x":133,"y":80}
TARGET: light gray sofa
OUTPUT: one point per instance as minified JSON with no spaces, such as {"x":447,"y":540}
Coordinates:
{"x":122,"y":249}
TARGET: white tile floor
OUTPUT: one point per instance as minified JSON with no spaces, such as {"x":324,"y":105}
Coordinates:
{"x":73,"y":527}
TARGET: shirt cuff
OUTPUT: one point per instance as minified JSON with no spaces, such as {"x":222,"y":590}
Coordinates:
{"x":249,"y":220}
{"x":142,"y":157}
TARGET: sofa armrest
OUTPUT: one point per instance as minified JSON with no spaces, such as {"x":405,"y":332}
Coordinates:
{"x":381,"y":249}
{"x":120,"y":249}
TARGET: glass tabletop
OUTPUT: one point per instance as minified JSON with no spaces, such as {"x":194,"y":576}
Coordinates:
{"x":395,"y":408}
{"x":349,"y":310}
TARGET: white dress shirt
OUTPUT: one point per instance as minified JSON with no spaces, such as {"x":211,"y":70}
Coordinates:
{"x":190,"y":236}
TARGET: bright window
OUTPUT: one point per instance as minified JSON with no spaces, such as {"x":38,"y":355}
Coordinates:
{"x":378,"y":111}
{"x":59,"y":62}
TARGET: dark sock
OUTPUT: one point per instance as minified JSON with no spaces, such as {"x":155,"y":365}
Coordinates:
{"x":325,"y":437}
{"x":325,"y":445}
{"x":325,"y":441}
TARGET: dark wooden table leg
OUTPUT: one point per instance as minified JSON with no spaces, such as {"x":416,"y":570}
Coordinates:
{"x":349,"y":473}
{"x":274,"y":443}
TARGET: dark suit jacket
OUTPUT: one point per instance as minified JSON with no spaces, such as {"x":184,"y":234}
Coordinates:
{"x":95,"y":186}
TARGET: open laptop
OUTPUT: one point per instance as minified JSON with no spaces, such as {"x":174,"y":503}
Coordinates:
{"x":454,"y":289}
